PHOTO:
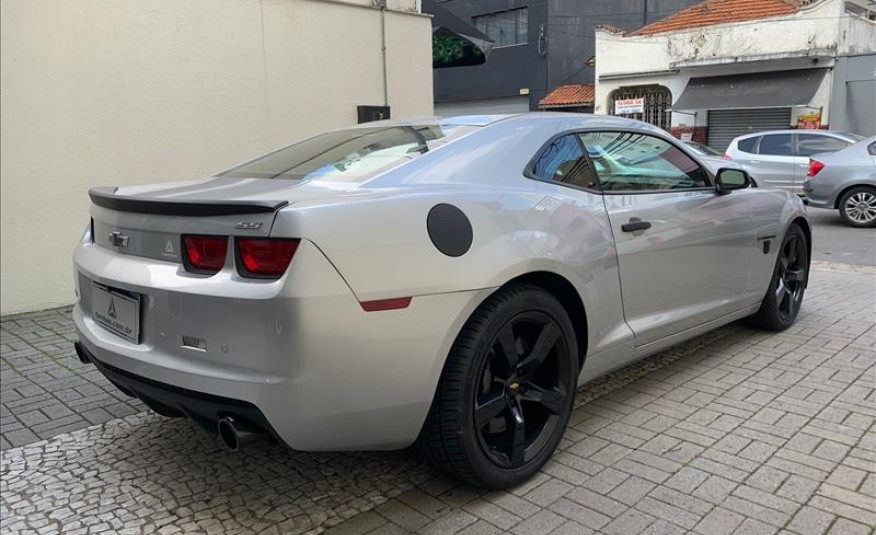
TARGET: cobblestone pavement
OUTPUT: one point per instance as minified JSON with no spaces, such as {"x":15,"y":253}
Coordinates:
{"x":737,"y":431}
{"x":45,"y":390}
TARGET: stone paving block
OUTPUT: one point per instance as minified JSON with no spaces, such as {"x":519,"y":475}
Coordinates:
{"x":719,"y":521}
{"x":581,"y":514}
{"x":493,"y":514}
{"x":843,"y":526}
{"x":811,"y":521}
{"x":401,"y":514}
{"x":739,"y":431}
{"x":540,"y":523}
{"x":630,"y":521}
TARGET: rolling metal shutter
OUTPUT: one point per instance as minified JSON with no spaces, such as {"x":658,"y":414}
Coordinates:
{"x":487,"y":106}
{"x":724,"y":125}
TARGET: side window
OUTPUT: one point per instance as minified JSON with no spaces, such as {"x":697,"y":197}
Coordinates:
{"x":747,"y":144}
{"x":776,"y":145}
{"x":564,"y":161}
{"x":627,"y":161}
{"x":809,"y":144}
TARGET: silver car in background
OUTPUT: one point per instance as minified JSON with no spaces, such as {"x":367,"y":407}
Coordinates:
{"x":846,"y":181}
{"x":779,"y":159}
{"x":447,"y":281}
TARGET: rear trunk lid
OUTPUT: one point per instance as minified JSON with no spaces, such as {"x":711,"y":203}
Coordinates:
{"x":149,"y":221}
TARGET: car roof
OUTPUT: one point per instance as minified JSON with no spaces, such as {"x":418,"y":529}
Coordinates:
{"x":582,"y":120}
{"x":831,"y":133}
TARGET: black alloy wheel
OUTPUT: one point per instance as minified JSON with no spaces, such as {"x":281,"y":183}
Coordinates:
{"x":523,"y":389}
{"x":783,"y":298}
{"x":790,"y":278}
{"x":506,"y":391}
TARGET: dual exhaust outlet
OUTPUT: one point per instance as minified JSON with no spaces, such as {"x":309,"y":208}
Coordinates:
{"x":234,"y":432}
{"x":237,"y":434}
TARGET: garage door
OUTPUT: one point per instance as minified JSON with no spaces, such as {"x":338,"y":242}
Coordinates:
{"x":724,"y":125}
{"x":488,"y":106}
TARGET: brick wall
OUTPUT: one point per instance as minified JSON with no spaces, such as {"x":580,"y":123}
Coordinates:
{"x":699,"y":133}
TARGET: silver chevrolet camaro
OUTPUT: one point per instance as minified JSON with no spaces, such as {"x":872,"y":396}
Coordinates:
{"x":445,"y":282}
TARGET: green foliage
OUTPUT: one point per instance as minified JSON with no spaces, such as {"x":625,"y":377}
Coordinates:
{"x":450,"y":50}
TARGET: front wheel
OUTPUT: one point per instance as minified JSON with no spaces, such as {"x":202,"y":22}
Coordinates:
{"x":780,"y":306}
{"x":858,"y":207}
{"x":506,"y":391}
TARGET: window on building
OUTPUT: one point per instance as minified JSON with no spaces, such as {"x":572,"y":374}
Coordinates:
{"x":628,"y":161}
{"x":776,"y":145}
{"x":506,"y":28}
{"x":651,"y":104}
{"x":809,"y":144}
{"x":563,"y":161}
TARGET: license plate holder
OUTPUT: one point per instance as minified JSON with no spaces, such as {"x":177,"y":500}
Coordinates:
{"x":117,"y":311}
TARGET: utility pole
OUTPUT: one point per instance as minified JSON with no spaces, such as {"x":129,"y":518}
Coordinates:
{"x":645,"y":13}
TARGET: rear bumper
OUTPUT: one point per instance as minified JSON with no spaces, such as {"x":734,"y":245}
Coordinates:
{"x":321,"y":372}
{"x":819,"y":197}
{"x":172,"y":401}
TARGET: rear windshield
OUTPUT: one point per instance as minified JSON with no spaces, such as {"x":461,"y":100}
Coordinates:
{"x":349,"y":155}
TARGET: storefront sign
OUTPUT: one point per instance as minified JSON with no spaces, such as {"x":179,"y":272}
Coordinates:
{"x":629,"y":105}
{"x":811,"y":121}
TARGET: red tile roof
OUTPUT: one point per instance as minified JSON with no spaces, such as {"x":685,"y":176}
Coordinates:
{"x":569,"y":95}
{"x":722,"y":12}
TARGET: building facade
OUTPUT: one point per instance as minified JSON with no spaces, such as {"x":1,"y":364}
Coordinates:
{"x":539,"y":45}
{"x":128,"y":92}
{"x":725,"y":68}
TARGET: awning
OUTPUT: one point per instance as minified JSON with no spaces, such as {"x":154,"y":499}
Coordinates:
{"x":759,"y":90}
{"x":455,"y":43}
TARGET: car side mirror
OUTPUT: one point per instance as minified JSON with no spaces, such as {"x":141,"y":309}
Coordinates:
{"x":729,"y":179}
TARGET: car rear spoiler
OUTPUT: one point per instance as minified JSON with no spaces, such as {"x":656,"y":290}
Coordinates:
{"x":107,"y":198}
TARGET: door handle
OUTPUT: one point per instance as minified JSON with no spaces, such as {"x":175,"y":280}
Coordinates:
{"x":634,"y":226}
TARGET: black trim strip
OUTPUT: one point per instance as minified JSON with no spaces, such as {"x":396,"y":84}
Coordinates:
{"x":106,"y":198}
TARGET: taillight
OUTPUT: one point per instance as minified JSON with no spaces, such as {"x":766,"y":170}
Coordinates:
{"x":204,"y":254}
{"x":727,"y":157}
{"x":814,"y":167}
{"x":264,"y":258}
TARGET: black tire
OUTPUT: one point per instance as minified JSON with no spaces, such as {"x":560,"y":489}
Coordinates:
{"x":783,"y":298}
{"x":857,"y":207}
{"x":523,"y":408}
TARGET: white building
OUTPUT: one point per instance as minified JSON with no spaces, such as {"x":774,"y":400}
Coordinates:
{"x":728,"y":67}
{"x":139,"y":91}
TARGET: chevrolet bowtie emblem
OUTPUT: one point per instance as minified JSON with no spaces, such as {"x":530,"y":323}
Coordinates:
{"x":118,"y":239}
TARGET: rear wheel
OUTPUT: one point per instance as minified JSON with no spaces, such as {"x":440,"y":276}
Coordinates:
{"x":780,"y":306}
{"x":858,"y":207}
{"x":506,"y":391}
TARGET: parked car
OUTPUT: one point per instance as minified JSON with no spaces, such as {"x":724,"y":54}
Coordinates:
{"x":451,"y":281}
{"x":780,"y":158}
{"x":846,"y":181}
{"x":702,"y":150}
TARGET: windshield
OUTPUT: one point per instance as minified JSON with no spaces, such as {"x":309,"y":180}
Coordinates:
{"x":349,"y":155}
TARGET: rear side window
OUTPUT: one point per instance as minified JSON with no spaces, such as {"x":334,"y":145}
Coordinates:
{"x":747,"y":144}
{"x":627,"y":161}
{"x":776,"y":145}
{"x":563,"y":161}
{"x":809,"y":144}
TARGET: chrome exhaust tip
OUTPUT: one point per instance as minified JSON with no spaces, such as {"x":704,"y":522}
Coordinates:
{"x":237,"y":434}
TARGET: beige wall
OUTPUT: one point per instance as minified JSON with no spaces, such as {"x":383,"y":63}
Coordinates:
{"x":105,"y":92}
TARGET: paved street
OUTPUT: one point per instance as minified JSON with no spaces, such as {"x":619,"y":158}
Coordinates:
{"x":837,"y":242}
{"x":738,"y":430}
